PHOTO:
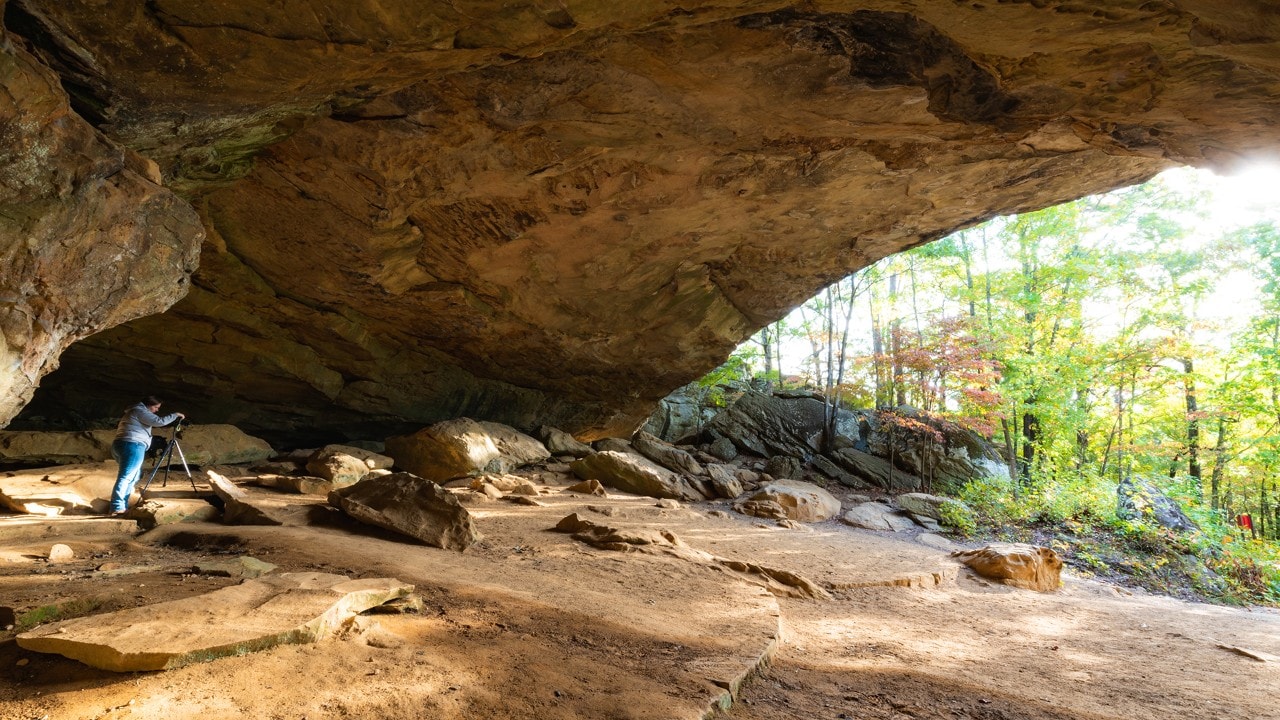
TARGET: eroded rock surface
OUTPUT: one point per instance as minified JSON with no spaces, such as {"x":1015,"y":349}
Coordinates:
{"x":1030,"y":567}
{"x":544,"y":213}
{"x":254,"y":615}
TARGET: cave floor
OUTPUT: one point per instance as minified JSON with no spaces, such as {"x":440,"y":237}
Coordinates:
{"x":530,"y":623}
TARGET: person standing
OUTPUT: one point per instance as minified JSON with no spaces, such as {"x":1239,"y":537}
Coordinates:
{"x":133,"y":439}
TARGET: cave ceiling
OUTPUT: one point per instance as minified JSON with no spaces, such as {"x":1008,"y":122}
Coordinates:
{"x":366,"y":216}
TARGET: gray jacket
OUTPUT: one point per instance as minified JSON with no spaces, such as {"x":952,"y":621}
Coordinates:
{"x":135,"y":426}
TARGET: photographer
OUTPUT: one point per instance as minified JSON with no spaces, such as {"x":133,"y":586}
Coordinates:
{"x":133,"y":438}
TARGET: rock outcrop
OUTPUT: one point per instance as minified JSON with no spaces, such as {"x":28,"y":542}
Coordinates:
{"x":549,"y":214}
{"x":634,"y":474}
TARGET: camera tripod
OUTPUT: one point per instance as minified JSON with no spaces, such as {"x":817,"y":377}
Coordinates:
{"x":165,"y":457}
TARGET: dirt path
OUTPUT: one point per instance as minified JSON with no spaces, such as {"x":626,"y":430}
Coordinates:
{"x":533,"y":624}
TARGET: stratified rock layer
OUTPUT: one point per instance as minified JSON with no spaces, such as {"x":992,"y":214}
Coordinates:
{"x":534,"y":213}
{"x":254,"y":615}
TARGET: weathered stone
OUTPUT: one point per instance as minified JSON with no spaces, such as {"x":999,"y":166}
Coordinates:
{"x":588,"y":487}
{"x":71,"y":199}
{"x":930,"y":506}
{"x":409,"y":505}
{"x":251,"y":616}
{"x":338,"y":467}
{"x":463,"y":446}
{"x":767,"y":509}
{"x":506,"y":483}
{"x":1138,"y":499}
{"x":277,"y":467}
{"x":634,"y":474}
{"x":876,"y":516}
{"x":877,"y":471}
{"x":800,"y":500}
{"x":241,"y":567}
{"x":63,"y":490}
{"x":679,"y":416}
{"x":559,"y":442}
{"x":200,"y":444}
{"x":166,"y":511}
{"x":301,"y":484}
{"x":60,"y":553}
{"x":666,"y":455}
{"x":784,"y":467}
{"x":1026,"y":566}
{"x":612,"y":444}
{"x":723,"y":449}
{"x":373,"y":460}
{"x":723,"y":481}
{"x":237,"y":508}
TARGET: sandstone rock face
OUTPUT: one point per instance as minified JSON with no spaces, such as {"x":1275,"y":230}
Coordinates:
{"x":409,"y":505}
{"x":201,"y":445}
{"x":634,"y":474}
{"x":254,"y":615}
{"x":454,"y":448}
{"x":934,"y":507}
{"x":418,"y":212}
{"x":802,"y":501}
{"x":71,"y":200}
{"x":1026,"y":566}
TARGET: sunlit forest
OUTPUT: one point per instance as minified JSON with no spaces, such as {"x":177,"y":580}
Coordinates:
{"x":1131,"y":337}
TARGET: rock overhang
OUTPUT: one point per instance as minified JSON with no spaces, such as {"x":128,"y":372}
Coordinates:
{"x":559,"y":214}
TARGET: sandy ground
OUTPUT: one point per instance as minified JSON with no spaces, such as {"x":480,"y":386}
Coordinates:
{"x":530,"y":623}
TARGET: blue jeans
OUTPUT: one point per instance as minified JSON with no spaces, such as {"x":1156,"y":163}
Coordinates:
{"x":129,"y":455}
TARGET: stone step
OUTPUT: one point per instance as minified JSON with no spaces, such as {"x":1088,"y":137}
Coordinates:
{"x":18,"y":529}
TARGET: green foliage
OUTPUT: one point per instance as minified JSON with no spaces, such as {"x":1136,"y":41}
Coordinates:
{"x":53,"y":613}
{"x":957,"y":516}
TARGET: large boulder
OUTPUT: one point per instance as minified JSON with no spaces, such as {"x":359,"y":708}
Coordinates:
{"x":877,"y":471}
{"x":338,"y":466}
{"x":932,"y":507}
{"x":1139,"y":499}
{"x":665,"y":454}
{"x":877,"y":516}
{"x":463,"y":446}
{"x":559,"y":442}
{"x":801,"y":501}
{"x":1025,"y":566}
{"x":410,"y":505}
{"x":200,"y":445}
{"x":634,"y":474}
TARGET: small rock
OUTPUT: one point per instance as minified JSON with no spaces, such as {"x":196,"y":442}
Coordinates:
{"x":668,"y":503}
{"x":588,"y":487}
{"x":723,"y":449}
{"x":60,"y":553}
{"x":23,"y":662}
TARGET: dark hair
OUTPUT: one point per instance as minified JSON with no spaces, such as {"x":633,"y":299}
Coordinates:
{"x":151,"y":400}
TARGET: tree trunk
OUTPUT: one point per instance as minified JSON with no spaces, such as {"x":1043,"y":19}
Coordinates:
{"x":1193,"y":422}
{"x":1219,"y":466}
{"x":1010,"y":455}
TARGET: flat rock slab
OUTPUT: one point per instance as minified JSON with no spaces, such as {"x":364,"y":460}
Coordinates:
{"x":18,"y":529}
{"x":254,"y":615}
{"x":69,"y":489}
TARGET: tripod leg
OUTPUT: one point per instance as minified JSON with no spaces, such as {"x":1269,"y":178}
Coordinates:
{"x":168,"y":460}
{"x":155,"y":467}
{"x":185,"y":467}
